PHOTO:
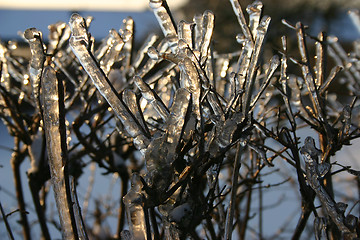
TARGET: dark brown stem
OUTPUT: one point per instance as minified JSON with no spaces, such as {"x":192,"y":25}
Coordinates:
{"x":8,"y":228}
{"x":121,"y":212}
{"x":247,"y":215}
{"x":39,"y":209}
{"x":154,"y":223}
{"x":16,"y":160}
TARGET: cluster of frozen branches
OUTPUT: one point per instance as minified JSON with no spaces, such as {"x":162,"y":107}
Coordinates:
{"x":189,"y":130}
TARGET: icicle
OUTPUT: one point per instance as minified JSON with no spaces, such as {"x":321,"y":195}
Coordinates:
{"x":320,"y":59}
{"x":242,"y":21}
{"x":198,"y":19}
{"x":243,"y":62}
{"x":208,"y":28}
{"x":191,"y":82}
{"x":154,"y":55}
{"x":309,"y":150}
{"x":134,"y":203}
{"x":254,"y":11}
{"x":185,"y":32}
{"x":55,"y":33}
{"x":113,"y":52}
{"x":226,"y":131}
{"x":127,"y":33}
{"x":345,"y":130}
{"x":303,"y":49}
{"x":79,"y":43}
{"x":151,"y":39}
{"x":37,"y":60}
{"x":274,"y":63}
{"x":310,"y":83}
{"x":250,"y":76}
{"x":152,"y":98}
{"x":163,"y":16}
{"x":176,"y":120}
{"x":355,"y":17}
{"x":55,"y":142}
{"x":344,"y":58}
{"x":215,"y":104}
{"x":131,"y":102}
{"x":104,"y":45}
{"x":5,"y":75}
{"x":35,"y":153}
{"x":66,"y":32}
{"x":332,"y":75}
{"x":309,"y":79}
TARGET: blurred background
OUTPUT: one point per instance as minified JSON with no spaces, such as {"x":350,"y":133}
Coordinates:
{"x":325,"y":15}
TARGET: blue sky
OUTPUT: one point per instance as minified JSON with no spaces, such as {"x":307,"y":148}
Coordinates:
{"x":13,"y":21}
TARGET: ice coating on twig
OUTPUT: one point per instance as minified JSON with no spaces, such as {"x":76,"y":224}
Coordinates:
{"x":37,"y":60}
{"x":231,"y":208}
{"x":274,"y":63}
{"x":355,"y":17}
{"x":208,"y":28}
{"x":152,"y":98}
{"x":242,"y":21}
{"x":113,"y":52}
{"x":127,"y":33}
{"x":320,"y":59}
{"x":185,"y":30}
{"x":190,"y":80}
{"x":149,"y":42}
{"x":254,"y":11}
{"x":104,"y":45}
{"x":78,"y":43}
{"x":55,"y":33}
{"x":163,"y":16}
{"x":131,"y":102}
{"x":5,"y":75}
{"x":261,"y":31}
{"x":216,"y":100}
{"x":162,"y":151}
{"x":311,"y":155}
{"x":55,"y":138}
{"x":134,"y":202}
{"x":332,"y":75}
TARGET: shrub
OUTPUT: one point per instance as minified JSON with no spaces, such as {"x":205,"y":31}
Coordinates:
{"x":190,"y":132}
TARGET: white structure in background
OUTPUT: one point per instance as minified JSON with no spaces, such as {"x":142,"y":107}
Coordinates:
{"x":86,"y":5}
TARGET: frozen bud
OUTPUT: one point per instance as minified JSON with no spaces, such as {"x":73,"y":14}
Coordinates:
{"x":351,"y":221}
{"x":240,"y":38}
{"x":153,"y":53}
{"x":264,"y":24}
{"x":154,"y":4}
{"x":125,"y":34}
{"x":31,"y":33}
{"x":341,"y":207}
{"x":78,"y":25}
{"x":182,"y":44}
{"x":323,"y":169}
{"x":126,"y":235}
{"x":309,"y":150}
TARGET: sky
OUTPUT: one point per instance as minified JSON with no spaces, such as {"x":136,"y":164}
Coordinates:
{"x":17,"y":16}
